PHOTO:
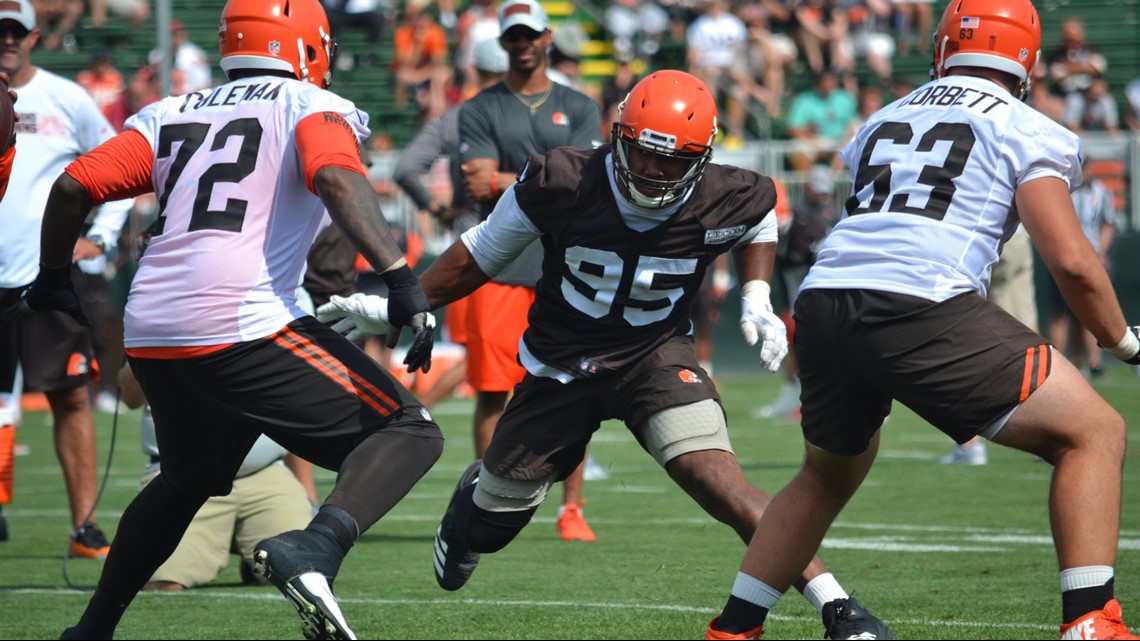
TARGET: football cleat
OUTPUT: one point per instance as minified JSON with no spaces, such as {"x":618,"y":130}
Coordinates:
{"x":453,"y":562}
{"x":848,"y":619}
{"x":302,"y":565}
{"x":88,"y":542}
{"x":572,"y":525}
{"x":973,"y":455}
{"x":1099,"y":624}
{"x":712,"y":633}
{"x":3,"y":525}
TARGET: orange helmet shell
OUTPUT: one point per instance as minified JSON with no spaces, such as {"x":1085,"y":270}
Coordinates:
{"x":671,"y":113}
{"x":277,"y":35}
{"x":995,"y":34}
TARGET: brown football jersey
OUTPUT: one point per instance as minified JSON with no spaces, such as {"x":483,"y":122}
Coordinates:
{"x":609,"y":294}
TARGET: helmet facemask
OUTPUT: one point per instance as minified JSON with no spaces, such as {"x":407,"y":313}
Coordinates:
{"x":650,"y":192}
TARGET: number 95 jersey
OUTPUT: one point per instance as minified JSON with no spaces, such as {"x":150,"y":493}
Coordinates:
{"x":933,"y":182}
{"x":236,"y":218}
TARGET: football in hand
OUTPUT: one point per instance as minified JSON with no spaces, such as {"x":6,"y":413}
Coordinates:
{"x":7,"y":119}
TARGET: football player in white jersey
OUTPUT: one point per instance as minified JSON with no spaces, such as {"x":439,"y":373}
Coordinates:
{"x":213,"y":330}
{"x":895,"y":309}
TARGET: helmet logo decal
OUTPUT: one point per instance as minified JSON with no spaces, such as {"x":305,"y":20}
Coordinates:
{"x":1023,"y":55}
{"x":970,"y":22}
{"x":275,"y":47}
{"x":657,"y":139}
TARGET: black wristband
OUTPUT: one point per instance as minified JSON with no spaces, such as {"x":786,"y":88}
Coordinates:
{"x":54,"y":277}
{"x":399,"y":278}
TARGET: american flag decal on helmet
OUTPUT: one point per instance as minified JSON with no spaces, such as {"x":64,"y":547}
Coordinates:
{"x":970,"y":23}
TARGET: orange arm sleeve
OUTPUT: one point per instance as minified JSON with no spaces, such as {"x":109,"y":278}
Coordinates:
{"x":327,"y":140}
{"x":6,"y":169}
{"x":119,"y":168}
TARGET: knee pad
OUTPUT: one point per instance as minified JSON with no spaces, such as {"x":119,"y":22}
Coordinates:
{"x":495,"y":510}
{"x":685,"y":428}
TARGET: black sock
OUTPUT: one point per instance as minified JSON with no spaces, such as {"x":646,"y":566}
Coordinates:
{"x":1076,"y":603}
{"x":98,"y":621}
{"x":740,"y":616}
{"x":336,"y":525}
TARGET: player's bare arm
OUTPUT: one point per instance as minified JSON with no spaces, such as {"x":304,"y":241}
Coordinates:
{"x":755,"y":261}
{"x":452,"y":276}
{"x":1046,"y":211}
{"x":352,"y":203}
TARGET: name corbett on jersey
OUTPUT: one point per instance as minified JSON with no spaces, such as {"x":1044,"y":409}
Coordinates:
{"x":951,"y":95}
{"x":227,"y":95}
{"x":718,"y":236}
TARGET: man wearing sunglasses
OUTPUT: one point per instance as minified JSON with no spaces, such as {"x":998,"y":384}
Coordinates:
{"x":58,"y":122}
{"x":499,"y":129}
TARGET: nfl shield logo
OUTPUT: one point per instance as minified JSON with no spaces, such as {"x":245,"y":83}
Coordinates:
{"x":274,"y":47}
{"x":1023,"y":55}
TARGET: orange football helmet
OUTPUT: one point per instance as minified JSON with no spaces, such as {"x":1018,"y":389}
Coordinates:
{"x":670,"y":113}
{"x":996,"y":34}
{"x":279,"y":35}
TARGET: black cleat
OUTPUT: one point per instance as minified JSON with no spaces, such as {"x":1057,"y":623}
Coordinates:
{"x":453,"y":562}
{"x":302,"y":566}
{"x":848,"y":619}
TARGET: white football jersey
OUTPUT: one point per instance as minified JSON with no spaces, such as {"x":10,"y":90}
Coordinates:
{"x":933,"y":181}
{"x":237,"y":219}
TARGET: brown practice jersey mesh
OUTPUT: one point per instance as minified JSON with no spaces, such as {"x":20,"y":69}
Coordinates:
{"x":609,"y":295}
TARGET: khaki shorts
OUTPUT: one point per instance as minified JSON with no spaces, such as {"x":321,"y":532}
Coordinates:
{"x":261,"y":505}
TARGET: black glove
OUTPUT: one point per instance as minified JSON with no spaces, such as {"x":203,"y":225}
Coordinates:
{"x":51,"y":291}
{"x":408,"y":305}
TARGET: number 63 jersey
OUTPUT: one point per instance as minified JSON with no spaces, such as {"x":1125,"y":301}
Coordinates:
{"x":236,"y":218}
{"x":933,"y":182}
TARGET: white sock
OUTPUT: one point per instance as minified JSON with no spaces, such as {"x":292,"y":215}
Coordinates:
{"x":1089,"y":576}
{"x":754,"y":590}
{"x":823,"y":589}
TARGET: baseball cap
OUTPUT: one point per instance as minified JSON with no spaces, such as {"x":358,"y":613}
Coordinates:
{"x":490,"y":57}
{"x":527,"y":13}
{"x":820,"y":179}
{"x":570,"y":38}
{"x":19,"y":10}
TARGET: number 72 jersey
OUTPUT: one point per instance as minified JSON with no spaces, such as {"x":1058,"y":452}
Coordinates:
{"x":933,"y":182}
{"x":236,"y":218}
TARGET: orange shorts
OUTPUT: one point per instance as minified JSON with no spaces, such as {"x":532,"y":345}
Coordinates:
{"x":455,"y":320}
{"x":496,"y":319}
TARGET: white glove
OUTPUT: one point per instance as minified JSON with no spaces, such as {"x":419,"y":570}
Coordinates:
{"x":356,"y":315}
{"x":758,"y":322}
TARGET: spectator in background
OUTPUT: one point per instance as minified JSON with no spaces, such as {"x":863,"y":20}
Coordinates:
{"x":1097,"y":215}
{"x":1100,"y":112}
{"x":1073,"y":65}
{"x":440,"y":138}
{"x":131,"y":12}
{"x":759,"y":63}
{"x":822,"y":34}
{"x":1132,"y":113}
{"x":636,"y":26}
{"x":104,"y":83}
{"x":818,"y":120}
{"x":714,"y":39}
{"x":367,"y":15}
{"x":188,"y":58}
{"x":58,"y":122}
{"x":614,"y":90}
{"x":566,"y":55}
{"x":57,"y":20}
{"x":478,"y":22}
{"x":913,"y":20}
{"x":420,"y":66}
{"x":868,"y":21}
{"x":1043,"y":99}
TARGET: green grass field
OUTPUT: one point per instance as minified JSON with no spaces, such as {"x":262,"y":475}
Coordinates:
{"x":940,"y":552}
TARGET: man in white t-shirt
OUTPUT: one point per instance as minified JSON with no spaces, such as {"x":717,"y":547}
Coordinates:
{"x":58,"y":122}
